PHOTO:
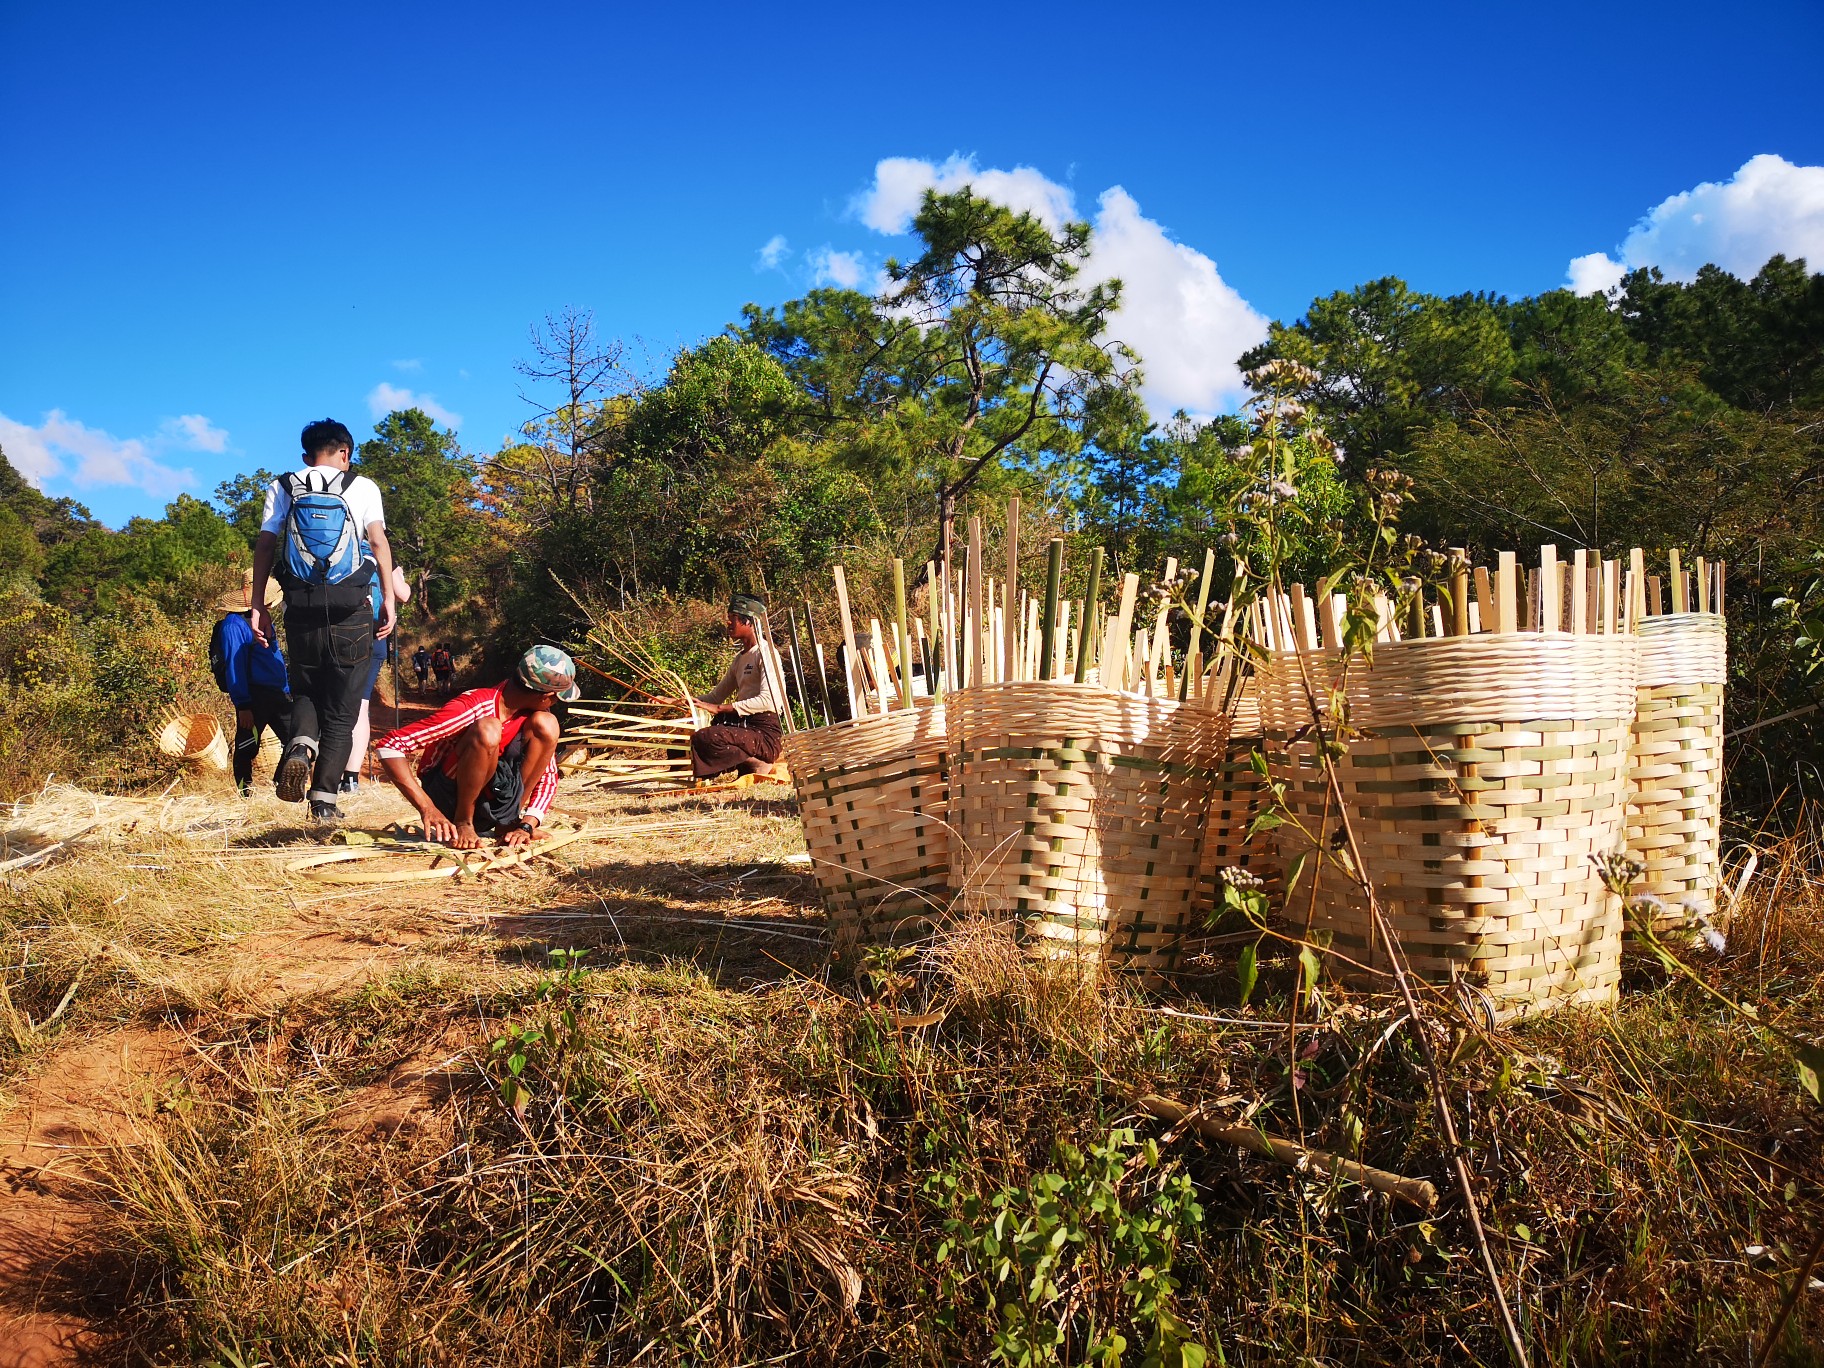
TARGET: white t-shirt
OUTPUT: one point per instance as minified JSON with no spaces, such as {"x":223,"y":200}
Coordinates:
{"x":361,"y":495}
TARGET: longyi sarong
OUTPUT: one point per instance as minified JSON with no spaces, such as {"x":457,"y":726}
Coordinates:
{"x":730,"y":742}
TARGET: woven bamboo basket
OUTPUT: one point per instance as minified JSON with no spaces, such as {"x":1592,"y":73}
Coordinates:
{"x":195,"y":739}
{"x":1492,"y":773}
{"x":873,"y":795}
{"x":1239,"y":795}
{"x":1675,"y":773}
{"x":1081,"y":812}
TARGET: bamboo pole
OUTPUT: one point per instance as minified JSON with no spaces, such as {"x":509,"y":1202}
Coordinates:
{"x":1548,"y":589}
{"x":1580,"y":592}
{"x":1115,"y":648}
{"x":1680,"y":603}
{"x":1010,"y":589}
{"x":1194,"y":646}
{"x":977,"y":604}
{"x":851,"y":668}
{"x":905,"y":636}
{"x":1091,"y":615}
{"x":1507,"y":617}
{"x":804,"y":694}
{"x":1054,"y":581}
{"x":1459,"y":592}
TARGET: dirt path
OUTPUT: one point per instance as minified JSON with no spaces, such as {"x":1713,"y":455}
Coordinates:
{"x":59,"y":1298}
{"x":56,"y":1295}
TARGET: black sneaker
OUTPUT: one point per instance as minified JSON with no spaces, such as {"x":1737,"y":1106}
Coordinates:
{"x":321,"y":811}
{"x":292,"y":781}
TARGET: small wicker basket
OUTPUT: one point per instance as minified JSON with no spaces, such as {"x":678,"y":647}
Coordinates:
{"x":1081,"y":811}
{"x":873,"y":795}
{"x":1490,"y":776}
{"x":196,"y":739}
{"x":1675,"y":774}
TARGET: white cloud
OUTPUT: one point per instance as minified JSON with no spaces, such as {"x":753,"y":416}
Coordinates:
{"x":1768,"y":207}
{"x":411,"y":365}
{"x":61,"y":447}
{"x":888,"y":206}
{"x":773,"y":253}
{"x":192,"y":432}
{"x":842,"y":269}
{"x":1595,"y":273}
{"x":383,"y":399}
{"x":1187,"y":324}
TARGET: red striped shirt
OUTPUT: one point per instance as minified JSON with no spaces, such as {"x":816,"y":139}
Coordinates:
{"x":431,"y":740}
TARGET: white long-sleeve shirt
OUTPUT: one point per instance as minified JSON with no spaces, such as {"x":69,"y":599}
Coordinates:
{"x":751,"y":682}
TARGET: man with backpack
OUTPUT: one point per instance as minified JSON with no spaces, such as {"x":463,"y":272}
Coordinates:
{"x":421,"y":666}
{"x":323,"y":532}
{"x":252,"y":675}
{"x":444,"y":666}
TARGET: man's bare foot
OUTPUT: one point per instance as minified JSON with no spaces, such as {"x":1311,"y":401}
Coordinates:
{"x":464,"y":837}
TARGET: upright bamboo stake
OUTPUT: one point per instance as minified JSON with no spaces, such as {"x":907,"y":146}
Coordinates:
{"x":1091,"y":615}
{"x":1680,"y":603}
{"x":1610,"y":576}
{"x":977,"y":602}
{"x":1580,"y":592}
{"x":1062,"y":657}
{"x":1637,"y":588}
{"x":1115,"y":649}
{"x":1009,"y":589}
{"x":1549,"y":604}
{"x":1703,"y":586}
{"x":1507,"y":617}
{"x":1194,"y":647}
{"x":1054,"y":583}
{"x":851,"y":660}
{"x":823,"y":678}
{"x":905,"y":637}
{"x":775,"y":671}
{"x":1485,"y":600}
{"x":1459,"y":592}
{"x":804,"y":694}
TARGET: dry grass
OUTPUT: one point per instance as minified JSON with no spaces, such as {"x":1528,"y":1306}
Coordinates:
{"x":730,"y":1153}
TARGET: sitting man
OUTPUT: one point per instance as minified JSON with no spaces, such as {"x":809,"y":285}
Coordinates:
{"x":745,"y":734}
{"x":480,"y":753}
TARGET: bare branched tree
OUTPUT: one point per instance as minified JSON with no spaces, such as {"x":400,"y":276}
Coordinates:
{"x":576,"y":374}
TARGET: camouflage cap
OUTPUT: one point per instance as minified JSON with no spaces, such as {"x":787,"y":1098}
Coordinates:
{"x":545,"y":669}
{"x":747,"y":606}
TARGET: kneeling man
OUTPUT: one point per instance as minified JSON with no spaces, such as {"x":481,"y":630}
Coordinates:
{"x":487,"y":758}
{"x":745,"y":733}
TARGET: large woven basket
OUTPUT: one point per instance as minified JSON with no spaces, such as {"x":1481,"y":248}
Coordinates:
{"x":1675,"y":774}
{"x":873,"y":795}
{"x":1490,"y":777}
{"x":1081,"y":812}
{"x":1239,"y":795}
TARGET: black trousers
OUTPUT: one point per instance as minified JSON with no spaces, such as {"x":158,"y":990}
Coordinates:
{"x":329,"y":659}
{"x":270,"y":708}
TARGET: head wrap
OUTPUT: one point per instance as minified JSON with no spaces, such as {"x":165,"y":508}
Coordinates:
{"x":747,"y":606}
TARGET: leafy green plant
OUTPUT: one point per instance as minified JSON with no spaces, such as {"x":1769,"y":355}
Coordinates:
{"x":1068,"y":1265}
{"x":542,"y":1045}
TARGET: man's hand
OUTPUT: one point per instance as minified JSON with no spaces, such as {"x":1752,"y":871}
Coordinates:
{"x":464,"y":837}
{"x":243,"y":718}
{"x":437,"y":827}
{"x":727,"y":712}
{"x":389,"y":615}
{"x":262,"y":625}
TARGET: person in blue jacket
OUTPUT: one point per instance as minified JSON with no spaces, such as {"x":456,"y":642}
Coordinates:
{"x":253,"y":676}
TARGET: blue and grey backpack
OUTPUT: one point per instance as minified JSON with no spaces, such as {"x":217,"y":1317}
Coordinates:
{"x":325,"y":561}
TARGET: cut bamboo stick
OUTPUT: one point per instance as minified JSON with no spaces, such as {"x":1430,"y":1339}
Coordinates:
{"x":1507,"y":615}
{"x":851,"y":659}
{"x":1580,"y":592}
{"x":1459,"y":593}
{"x":1485,"y":600}
{"x":1115,"y":650}
{"x":1680,"y":604}
{"x":978,"y":650}
{"x":1549,"y":603}
{"x":1010,"y":588}
{"x":1091,"y":615}
{"x":1054,"y":581}
{"x":905,"y":637}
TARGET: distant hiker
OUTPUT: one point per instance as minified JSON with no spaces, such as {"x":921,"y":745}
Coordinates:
{"x":421,"y":666}
{"x":253,"y":675}
{"x":323,"y":533}
{"x":746,"y":733}
{"x":487,"y":759}
{"x":357,"y":749}
{"x":443,"y":664}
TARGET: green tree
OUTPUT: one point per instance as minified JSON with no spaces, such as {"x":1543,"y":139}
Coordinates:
{"x":1391,"y":360}
{"x":243,"y":500}
{"x":433,"y":521}
{"x":983,"y":352}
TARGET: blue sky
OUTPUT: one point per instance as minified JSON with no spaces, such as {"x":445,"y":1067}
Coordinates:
{"x":223,"y":220}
